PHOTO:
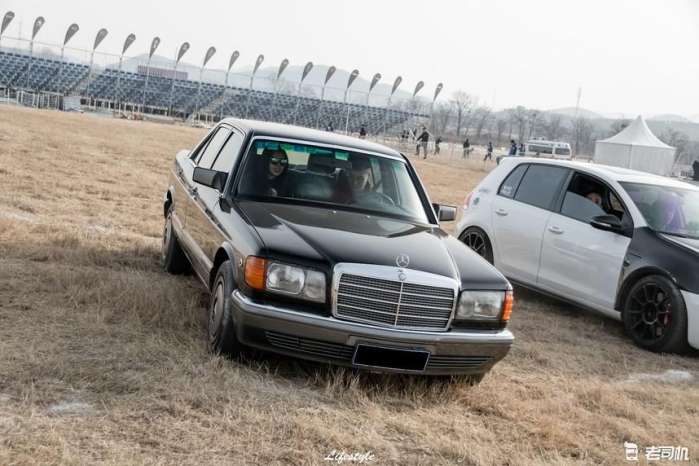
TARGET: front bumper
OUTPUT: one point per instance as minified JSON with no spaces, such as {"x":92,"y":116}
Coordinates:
{"x":329,"y":340}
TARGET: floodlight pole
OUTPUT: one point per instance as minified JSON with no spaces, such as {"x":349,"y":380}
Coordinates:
{"x":38,"y":23}
{"x":179,"y":54}
{"x":350,"y":81}
{"x":307,"y":69}
{"x":282,"y":67}
{"x":70,"y":32}
{"x":258,"y":62}
{"x":127,"y":43}
{"x":396,"y":84}
{"x":328,"y":75}
{"x":6,"y":20}
{"x":209,"y":53}
{"x":101,"y":34}
{"x":153,"y":47}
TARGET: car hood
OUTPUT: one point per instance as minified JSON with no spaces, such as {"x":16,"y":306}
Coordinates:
{"x":305,"y":233}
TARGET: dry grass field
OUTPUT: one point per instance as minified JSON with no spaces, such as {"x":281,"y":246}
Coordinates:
{"x":103,"y":361}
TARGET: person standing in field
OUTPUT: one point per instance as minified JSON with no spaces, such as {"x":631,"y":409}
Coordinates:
{"x":489,"y":152}
{"x":513,"y":147}
{"x":467,"y":148}
{"x":362,"y":132}
{"x":422,"y":140}
{"x":437,"y":142}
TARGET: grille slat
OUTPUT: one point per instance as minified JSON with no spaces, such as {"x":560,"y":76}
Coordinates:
{"x":393,"y":303}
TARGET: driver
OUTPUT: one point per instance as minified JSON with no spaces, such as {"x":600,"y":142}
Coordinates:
{"x":594,"y":197}
{"x":276,"y":164}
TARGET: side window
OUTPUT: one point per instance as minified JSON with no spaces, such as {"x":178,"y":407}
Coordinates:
{"x":540,"y":185}
{"x":508,"y":188}
{"x":229,"y":154}
{"x":207,"y":157}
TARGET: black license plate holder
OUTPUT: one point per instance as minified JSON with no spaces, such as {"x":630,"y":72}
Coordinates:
{"x":391,"y":358}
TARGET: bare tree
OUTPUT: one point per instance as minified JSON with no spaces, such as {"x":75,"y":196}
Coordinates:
{"x":678,"y":140}
{"x":583,"y":135}
{"x":618,"y":126}
{"x":499,"y":125}
{"x":553,"y":127}
{"x":462,"y":105}
{"x":481,"y":116}
{"x":440,"y":118}
{"x":518,"y":118}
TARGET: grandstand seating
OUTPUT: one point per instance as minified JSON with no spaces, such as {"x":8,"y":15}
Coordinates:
{"x":185,"y":97}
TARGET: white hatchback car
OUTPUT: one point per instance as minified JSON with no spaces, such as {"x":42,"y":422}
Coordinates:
{"x":622,"y":242}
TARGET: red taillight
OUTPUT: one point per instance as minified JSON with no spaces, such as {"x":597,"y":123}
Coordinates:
{"x":467,"y":201}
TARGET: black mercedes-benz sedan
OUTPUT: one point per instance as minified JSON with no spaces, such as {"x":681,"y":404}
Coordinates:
{"x":326,"y":247}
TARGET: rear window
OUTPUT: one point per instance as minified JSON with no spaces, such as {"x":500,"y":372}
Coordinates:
{"x":540,"y":185}
{"x":509,"y":186}
{"x":562,"y":151}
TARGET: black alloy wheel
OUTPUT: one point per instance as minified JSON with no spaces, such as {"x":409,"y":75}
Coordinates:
{"x":655,"y":316}
{"x":477,"y":241}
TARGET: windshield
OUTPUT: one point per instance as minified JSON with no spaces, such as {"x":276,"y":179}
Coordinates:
{"x":674,"y":211}
{"x":341,"y":178}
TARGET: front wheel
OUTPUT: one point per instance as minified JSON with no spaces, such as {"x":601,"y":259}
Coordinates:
{"x":478,"y":242}
{"x":655,"y":316}
{"x":221,"y":328}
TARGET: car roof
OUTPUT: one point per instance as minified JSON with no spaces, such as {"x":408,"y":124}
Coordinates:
{"x":623,"y":175}
{"x":278,"y":130}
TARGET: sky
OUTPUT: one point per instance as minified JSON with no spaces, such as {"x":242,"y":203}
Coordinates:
{"x":628,"y":57}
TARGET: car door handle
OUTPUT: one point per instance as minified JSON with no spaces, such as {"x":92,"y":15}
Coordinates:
{"x":501,"y":212}
{"x":555,"y":230}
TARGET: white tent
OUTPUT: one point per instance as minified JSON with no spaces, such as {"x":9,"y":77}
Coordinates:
{"x":636,"y":147}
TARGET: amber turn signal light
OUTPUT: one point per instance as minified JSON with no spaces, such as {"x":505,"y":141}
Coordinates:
{"x":255,"y":268}
{"x":507,"y":306}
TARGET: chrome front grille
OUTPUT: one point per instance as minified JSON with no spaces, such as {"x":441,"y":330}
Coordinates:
{"x":404,"y":304}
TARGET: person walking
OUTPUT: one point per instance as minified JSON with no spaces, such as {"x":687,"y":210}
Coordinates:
{"x":467,"y":148}
{"x":362,"y":132}
{"x":489,"y":153}
{"x":422,"y":140}
{"x":437,"y":142}
{"x":520,"y":152}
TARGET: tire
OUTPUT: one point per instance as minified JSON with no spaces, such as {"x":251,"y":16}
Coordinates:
{"x":172,"y":256}
{"x":478,"y":242}
{"x":655,"y":316}
{"x":221,"y":325}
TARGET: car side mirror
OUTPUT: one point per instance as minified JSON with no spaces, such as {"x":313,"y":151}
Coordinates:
{"x":607,"y":223}
{"x":210,"y":178}
{"x":445,"y":213}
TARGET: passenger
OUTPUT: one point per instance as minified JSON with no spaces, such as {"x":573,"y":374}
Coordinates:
{"x":276,"y":165}
{"x":668,"y":215}
{"x":594,"y":197}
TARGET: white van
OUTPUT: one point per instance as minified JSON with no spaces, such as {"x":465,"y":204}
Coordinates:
{"x":548,"y":149}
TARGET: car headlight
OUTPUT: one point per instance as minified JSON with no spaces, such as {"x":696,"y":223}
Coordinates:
{"x":285,"y":279}
{"x":484,"y":305}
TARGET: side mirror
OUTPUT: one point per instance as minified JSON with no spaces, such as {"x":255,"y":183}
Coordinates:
{"x":210,"y":178}
{"x":445,"y":213}
{"x":607,"y":223}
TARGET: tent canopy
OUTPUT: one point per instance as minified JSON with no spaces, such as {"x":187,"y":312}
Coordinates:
{"x":636,"y":147}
